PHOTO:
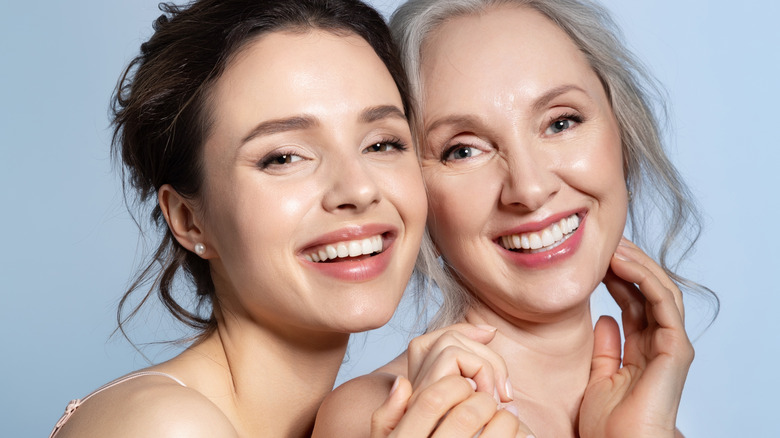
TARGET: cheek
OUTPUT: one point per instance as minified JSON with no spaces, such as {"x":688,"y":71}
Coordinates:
{"x":597,"y":169}
{"x":459,"y":206}
{"x":408,"y":192}
{"x":256,"y":215}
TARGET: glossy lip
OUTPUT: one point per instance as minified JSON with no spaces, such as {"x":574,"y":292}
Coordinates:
{"x":545,"y":258}
{"x":353,"y":270}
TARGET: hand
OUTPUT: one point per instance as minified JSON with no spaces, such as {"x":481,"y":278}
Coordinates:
{"x":459,"y":350}
{"x":641,"y":397}
{"x":449,"y":408}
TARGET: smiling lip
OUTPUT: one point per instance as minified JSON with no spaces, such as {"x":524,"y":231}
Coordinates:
{"x":542,"y":235}
{"x":353,"y":254}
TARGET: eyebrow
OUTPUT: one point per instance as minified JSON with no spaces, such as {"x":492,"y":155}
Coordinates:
{"x":543,"y":100}
{"x":469,"y":120}
{"x":457,"y":119}
{"x":270,"y":127}
{"x":376,"y":113}
{"x":303,"y":122}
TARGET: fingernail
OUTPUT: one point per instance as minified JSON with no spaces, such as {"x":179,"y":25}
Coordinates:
{"x":530,"y":436}
{"x":395,"y":385}
{"x":624,"y":242}
{"x":509,"y":390}
{"x":621,"y":257}
{"x":472,"y":383}
{"x":496,"y":395}
{"x":487,"y":328}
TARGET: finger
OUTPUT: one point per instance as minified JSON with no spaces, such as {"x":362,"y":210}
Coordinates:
{"x":635,"y":253}
{"x":606,"y":349}
{"x":468,"y":417}
{"x":629,"y":299}
{"x":663,"y":307}
{"x":456,"y":361}
{"x":426,"y":410}
{"x":387,"y":416}
{"x":455,"y":354}
{"x":420,"y":347}
{"x":506,"y":424}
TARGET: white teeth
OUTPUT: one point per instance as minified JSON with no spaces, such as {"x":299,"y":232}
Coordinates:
{"x":564,"y":225}
{"x":545,"y":239}
{"x":355,"y":249}
{"x":352,"y":248}
{"x":557,"y":234}
{"x":367,"y":247}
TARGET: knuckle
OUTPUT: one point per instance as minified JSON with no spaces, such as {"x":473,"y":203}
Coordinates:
{"x":449,"y":337}
{"x":451,"y":351}
{"x":467,"y":417}
{"x":433,"y":401}
{"x":417,"y":344}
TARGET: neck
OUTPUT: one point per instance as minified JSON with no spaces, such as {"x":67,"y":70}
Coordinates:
{"x":267,"y":382}
{"x":549,"y":362}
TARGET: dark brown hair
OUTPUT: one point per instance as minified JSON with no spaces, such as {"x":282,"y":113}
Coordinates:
{"x":161,"y":116}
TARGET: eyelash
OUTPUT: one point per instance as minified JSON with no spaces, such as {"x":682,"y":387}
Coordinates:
{"x":448,"y":151}
{"x":395,"y":142}
{"x":268,"y":161}
{"x":576,"y":118}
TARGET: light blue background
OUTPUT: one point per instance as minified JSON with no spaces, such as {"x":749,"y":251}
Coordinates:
{"x":67,"y":245}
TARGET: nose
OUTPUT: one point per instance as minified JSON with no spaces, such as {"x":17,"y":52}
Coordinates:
{"x":530,"y":180}
{"x":352,"y":188}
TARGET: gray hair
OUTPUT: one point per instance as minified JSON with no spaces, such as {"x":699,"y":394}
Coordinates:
{"x":658,"y":191}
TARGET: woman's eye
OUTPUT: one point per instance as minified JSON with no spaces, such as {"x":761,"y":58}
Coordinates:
{"x":461,"y":152}
{"x":385,"y":146}
{"x":562,"y":124}
{"x":279,"y":160}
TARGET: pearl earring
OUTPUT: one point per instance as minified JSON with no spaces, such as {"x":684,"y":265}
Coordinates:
{"x":200,"y":249}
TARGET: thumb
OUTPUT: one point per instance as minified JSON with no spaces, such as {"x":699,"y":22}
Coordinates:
{"x":606,"y":349}
{"x":387,"y":416}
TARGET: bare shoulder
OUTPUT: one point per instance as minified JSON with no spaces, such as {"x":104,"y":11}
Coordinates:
{"x":148,"y":406}
{"x":346,"y":412}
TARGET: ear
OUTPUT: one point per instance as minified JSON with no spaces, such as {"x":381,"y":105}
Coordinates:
{"x":182,"y":219}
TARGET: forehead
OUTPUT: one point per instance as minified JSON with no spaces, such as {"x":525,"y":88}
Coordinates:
{"x":507,"y":52}
{"x":280,"y":74}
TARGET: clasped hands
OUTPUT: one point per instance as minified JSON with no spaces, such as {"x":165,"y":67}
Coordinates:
{"x":457,"y":386}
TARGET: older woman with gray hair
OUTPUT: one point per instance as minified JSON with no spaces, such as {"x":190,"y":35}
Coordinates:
{"x":539,"y":138}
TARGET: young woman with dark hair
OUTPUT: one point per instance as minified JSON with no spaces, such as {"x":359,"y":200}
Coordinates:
{"x":270,"y":140}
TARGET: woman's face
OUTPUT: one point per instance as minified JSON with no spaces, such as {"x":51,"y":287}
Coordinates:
{"x":523,"y":163}
{"x":313,"y":202}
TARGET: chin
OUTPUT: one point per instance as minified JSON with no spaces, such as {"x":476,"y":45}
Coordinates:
{"x":363,"y":318}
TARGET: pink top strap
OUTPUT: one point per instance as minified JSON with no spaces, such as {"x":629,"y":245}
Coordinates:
{"x":74,"y":404}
